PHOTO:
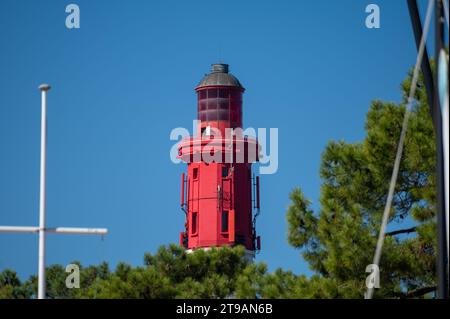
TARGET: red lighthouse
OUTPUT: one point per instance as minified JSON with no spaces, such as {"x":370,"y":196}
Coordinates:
{"x":219,"y":195}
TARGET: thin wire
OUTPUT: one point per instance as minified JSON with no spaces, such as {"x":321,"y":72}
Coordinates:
{"x":398,"y":157}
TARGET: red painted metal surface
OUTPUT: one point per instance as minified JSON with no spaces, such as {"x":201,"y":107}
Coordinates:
{"x":218,"y":194}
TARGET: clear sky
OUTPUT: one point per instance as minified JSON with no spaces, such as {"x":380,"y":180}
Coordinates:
{"x":125,"y":79}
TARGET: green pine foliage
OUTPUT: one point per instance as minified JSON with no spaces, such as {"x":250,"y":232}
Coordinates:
{"x":338,"y":240}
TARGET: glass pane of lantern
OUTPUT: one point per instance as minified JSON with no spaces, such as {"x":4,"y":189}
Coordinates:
{"x":235,"y":96}
{"x":211,"y":115}
{"x":223,"y":93}
{"x":235,"y":106}
{"x":223,"y":103}
{"x":223,"y":115}
{"x":212,"y":93}
{"x":212,"y":104}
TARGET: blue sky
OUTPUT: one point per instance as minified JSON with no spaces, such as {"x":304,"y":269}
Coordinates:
{"x":125,"y":79}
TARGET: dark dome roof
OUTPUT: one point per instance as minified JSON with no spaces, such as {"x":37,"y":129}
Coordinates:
{"x":219,"y":76}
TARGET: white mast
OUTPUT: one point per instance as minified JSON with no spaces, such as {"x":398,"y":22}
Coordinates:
{"x":42,"y":230}
{"x":44,"y":88}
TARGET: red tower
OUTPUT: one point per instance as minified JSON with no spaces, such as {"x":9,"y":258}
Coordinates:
{"x":219,"y":193}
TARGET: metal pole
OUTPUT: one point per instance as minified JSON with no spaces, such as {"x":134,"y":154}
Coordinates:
{"x":41,"y":271}
{"x":54,"y":230}
{"x":442,"y":69}
{"x":441,"y":220}
{"x":431,"y":85}
{"x":19,"y":229}
{"x":77,"y":231}
{"x":425,"y":66}
{"x":443,"y":92}
{"x":42,"y":230}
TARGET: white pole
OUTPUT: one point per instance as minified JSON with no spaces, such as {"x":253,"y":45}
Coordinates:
{"x":42,"y":230}
{"x":19,"y":229}
{"x":54,"y":230}
{"x":77,"y":231}
{"x":41,"y":271}
{"x":443,"y":98}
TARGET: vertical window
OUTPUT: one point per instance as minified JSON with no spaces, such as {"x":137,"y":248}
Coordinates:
{"x":225,"y":221}
{"x":194,"y":223}
{"x":224,"y":171}
{"x":195,"y":173}
{"x":202,"y":105}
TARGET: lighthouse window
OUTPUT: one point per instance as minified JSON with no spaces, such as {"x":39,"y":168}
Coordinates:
{"x":225,"y":221}
{"x":194,"y":223}
{"x":202,"y":105}
{"x":236,"y":96}
{"x":195,"y":173}
{"x":212,"y":93}
{"x":222,"y":115}
{"x":223,"y":104}
{"x":223,"y":93}
{"x":212,"y":104}
{"x":224,"y":171}
{"x":202,"y":95}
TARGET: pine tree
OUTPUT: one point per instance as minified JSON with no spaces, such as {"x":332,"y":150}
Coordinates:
{"x":338,"y":241}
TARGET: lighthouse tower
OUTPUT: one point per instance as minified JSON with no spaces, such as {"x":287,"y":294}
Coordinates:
{"x":219,"y":194}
